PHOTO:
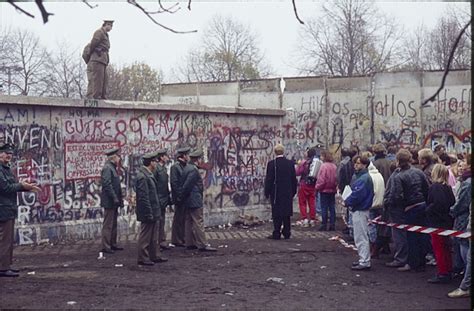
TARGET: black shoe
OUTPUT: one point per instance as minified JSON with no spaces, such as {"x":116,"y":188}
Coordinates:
{"x":322,"y":228}
{"x":355,"y":263}
{"x":360,"y":268}
{"x":332,"y":228}
{"x":117,"y":248}
{"x":287,"y":237}
{"x":16,"y":270}
{"x":191,"y":247}
{"x":208,"y":249}
{"x":179,"y":245}
{"x":440,"y":279}
{"x":8,"y":274}
{"x":160,"y":259}
{"x":146,"y":263}
{"x":107,"y":251}
{"x":271,"y":237}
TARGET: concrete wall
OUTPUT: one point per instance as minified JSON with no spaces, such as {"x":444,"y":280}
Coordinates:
{"x":237,"y":124}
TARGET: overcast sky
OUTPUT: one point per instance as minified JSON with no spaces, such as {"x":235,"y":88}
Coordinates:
{"x":135,"y":37}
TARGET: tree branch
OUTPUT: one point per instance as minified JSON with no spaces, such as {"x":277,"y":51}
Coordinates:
{"x":189,"y":5}
{"x":20,"y":9}
{"x":446,"y":71}
{"x":134,"y":3}
{"x":294,"y":9}
{"x":89,"y":5}
{"x":45,"y":14}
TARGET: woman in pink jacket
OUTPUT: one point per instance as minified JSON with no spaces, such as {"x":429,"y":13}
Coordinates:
{"x":326,"y":185}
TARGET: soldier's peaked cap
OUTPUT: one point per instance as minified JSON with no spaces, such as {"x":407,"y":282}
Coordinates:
{"x":108,"y":21}
{"x":183,"y":150}
{"x":162,"y":151}
{"x":7,"y":147}
{"x":196,"y":153}
{"x":150,"y":155}
{"x":110,"y":152}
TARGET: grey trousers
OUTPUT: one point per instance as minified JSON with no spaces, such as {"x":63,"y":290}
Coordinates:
{"x":161,"y":227}
{"x":7,"y":231}
{"x":195,"y":228}
{"x":399,"y":237}
{"x":360,"y":222}
{"x":178,"y":227}
{"x":147,"y":242}
{"x":109,"y":228}
{"x":97,"y":80}
{"x":466,"y":281}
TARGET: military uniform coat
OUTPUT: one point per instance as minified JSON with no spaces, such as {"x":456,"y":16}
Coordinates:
{"x":111,"y":194}
{"x":176,"y":172}
{"x":8,"y":198}
{"x":148,"y":204}
{"x":193,"y":187}
{"x":100,"y":46}
{"x":281,"y":186}
{"x":161,"y":176}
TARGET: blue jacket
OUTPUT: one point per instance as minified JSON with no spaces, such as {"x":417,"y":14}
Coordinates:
{"x":362,"y":194}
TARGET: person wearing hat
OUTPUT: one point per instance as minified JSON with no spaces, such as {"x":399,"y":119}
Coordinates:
{"x":192,"y":199}
{"x":111,"y":199}
{"x":280,"y":187}
{"x":161,"y":176}
{"x":176,"y":171}
{"x":148,"y":211}
{"x":97,"y":64}
{"x":9,"y":187}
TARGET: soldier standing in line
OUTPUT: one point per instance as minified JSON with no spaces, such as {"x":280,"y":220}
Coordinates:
{"x":148,"y":212}
{"x":161,"y":176}
{"x":192,"y":199}
{"x":111,"y":199}
{"x":9,"y":209}
{"x":176,"y":171}
{"x":97,"y":64}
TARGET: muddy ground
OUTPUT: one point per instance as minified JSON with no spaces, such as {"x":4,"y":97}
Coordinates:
{"x":309,"y":271}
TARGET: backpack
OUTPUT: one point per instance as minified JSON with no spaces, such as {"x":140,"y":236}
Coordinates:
{"x":86,"y":53}
{"x":312,"y":170}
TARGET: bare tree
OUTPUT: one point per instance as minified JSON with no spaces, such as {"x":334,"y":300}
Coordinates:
{"x":29,"y":59}
{"x":136,"y":82}
{"x":229,"y":51}
{"x":351,"y":38}
{"x":66,"y":75}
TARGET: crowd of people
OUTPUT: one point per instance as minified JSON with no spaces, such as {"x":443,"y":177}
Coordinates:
{"x":413,"y":187}
{"x":428,"y":188}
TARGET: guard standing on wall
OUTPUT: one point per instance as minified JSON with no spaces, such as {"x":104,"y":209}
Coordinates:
{"x":111,"y":199}
{"x":148,"y":212}
{"x":9,"y":209}
{"x":192,"y":199}
{"x":161,"y":176}
{"x":176,"y":171}
{"x":97,"y":61}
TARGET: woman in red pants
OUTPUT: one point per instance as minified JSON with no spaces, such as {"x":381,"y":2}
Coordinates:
{"x":306,"y":194}
{"x":440,"y":199}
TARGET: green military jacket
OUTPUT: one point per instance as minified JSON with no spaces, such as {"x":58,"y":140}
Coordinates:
{"x":100,"y":46}
{"x":176,"y":172}
{"x":8,"y":189}
{"x":148,"y":205}
{"x":161,"y":176}
{"x":111,"y":194}
{"x":193,"y":187}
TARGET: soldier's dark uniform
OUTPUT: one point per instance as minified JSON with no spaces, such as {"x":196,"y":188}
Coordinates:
{"x":176,"y":171}
{"x":97,"y":65}
{"x":111,"y":199}
{"x":161,"y":176}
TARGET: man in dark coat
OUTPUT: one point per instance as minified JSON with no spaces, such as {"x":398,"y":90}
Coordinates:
{"x":99,"y":59}
{"x":148,"y":212}
{"x":9,"y":209}
{"x":176,"y":171}
{"x":281,"y":186}
{"x":161,"y":176}
{"x":111,"y":200}
{"x":191,"y":197}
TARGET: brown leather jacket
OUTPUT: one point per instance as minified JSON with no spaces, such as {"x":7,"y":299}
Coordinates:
{"x":100,"y":46}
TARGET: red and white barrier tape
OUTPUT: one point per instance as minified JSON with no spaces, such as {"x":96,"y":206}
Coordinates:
{"x":344,"y":243}
{"x":421,"y":229}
